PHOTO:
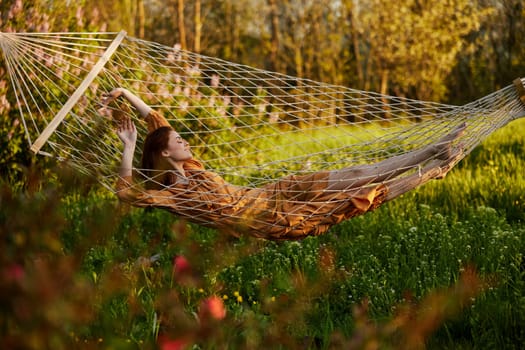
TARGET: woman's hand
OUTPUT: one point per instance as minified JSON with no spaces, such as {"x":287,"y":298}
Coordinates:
{"x":108,"y":98}
{"x":112,"y":96}
{"x":134,"y":100}
{"x":127,"y":132}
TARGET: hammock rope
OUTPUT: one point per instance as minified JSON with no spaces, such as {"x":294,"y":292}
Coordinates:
{"x":248,"y":125}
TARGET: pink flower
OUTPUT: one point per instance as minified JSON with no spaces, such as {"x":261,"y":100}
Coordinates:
{"x":181,"y":265}
{"x":14,"y":273}
{"x":172,"y":344}
{"x":212,"y":308}
{"x":215,"y":81}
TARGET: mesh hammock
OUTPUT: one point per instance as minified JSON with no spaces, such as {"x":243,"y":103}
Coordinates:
{"x":249,"y":126}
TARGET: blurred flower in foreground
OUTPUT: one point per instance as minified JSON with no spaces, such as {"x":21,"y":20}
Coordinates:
{"x":181,"y":266}
{"x":14,"y":273}
{"x":172,"y":344}
{"x":212,"y":308}
{"x":183,"y":272}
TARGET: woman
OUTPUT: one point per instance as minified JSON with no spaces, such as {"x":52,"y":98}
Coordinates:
{"x":291,"y":208}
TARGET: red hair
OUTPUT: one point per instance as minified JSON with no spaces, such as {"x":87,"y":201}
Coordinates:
{"x":156,"y":142}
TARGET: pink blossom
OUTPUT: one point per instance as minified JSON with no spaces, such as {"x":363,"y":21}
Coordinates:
{"x":212,"y":308}
{"x":14,"y":273}
{"x":181,"y":266}
{"x":172,"y":344}
{"x":215,"y":81}
{"x":274,"y":117}
{"x":15,"y":9}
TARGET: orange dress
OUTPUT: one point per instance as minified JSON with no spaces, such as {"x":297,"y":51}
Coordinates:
{"x":291,"y":208}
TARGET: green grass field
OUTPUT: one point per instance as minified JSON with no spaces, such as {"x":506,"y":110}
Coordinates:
{"x":441,"y":267}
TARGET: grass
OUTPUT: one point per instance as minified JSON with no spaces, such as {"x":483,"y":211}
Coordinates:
{"x":442,"y":268}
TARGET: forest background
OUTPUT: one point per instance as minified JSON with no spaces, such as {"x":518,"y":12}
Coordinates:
{"x":446,"y":51}
{"x":71,"y":270}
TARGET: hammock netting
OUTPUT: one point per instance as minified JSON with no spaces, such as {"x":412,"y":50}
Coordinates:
{"x":249,"y":125}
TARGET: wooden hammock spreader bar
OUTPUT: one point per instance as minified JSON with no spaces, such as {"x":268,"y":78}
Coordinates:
{"x":51,"y":127}
{"x":518,"y":83}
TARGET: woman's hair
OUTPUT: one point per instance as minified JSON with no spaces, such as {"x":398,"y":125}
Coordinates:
{"x":154,"y":144}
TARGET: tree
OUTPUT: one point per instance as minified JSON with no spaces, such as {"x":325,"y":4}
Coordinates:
{"x":413,"y":45}
{"x":307,"y":38}
{"x":198,"y":27}
{"x":275,"y":37}
{"x":181,"y":24}
{"x":496,"y":54}
{"x":40,"y":16}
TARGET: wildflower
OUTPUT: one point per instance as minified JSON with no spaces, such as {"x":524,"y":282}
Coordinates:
{"x":274,"y":117}
{"x":212,"y":308}
{"x":182,"y":271}
{"x":183,"y":105}
{"x":15,"y":9}
{"x":181,"y":265}
{"x":214,"y":81}
{"x":172,"y":344}
{"x":174,"y":54}
{"x":14,"y":273}
{"x":80,"y":16}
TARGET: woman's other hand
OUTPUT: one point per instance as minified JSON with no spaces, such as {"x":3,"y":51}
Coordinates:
{"x":127,"y":132}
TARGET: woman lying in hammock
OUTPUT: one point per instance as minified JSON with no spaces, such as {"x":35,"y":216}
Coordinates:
{"x":290,"y":208}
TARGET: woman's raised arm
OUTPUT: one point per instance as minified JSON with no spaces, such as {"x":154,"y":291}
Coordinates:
{"x":135,"y":101}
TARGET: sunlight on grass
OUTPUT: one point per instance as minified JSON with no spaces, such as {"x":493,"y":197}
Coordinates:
{"x":441,"y":266}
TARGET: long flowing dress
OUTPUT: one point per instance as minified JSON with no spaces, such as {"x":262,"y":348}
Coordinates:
{"x":290,"y":208}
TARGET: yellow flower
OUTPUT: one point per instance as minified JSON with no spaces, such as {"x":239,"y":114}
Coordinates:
{"x":225,"y":297}
{"x":239,"y":299}
{"x":235,"y":294}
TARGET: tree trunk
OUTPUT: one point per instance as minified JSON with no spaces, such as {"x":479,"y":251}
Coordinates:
{"x":355,"y":44}
{"x":180,"y":18}
{"x":384,"y":91}
{"x":274,"y":45}
{"x":198,"y":27}
{"x":141,"y":19}
{"x":236,"y":37}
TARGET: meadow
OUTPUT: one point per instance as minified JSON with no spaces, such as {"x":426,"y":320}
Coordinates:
{"x":442,"y":267}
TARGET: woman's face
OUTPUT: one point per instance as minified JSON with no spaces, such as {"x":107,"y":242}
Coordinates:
{"x":178,"y":149}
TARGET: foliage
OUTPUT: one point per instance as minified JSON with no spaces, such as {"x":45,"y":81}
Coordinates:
{"x":78,"y":270}
{"x":400,"y":35}
{"x":424,"y":51}
{"x":29,"y":16}
{"x":427,"y":270}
